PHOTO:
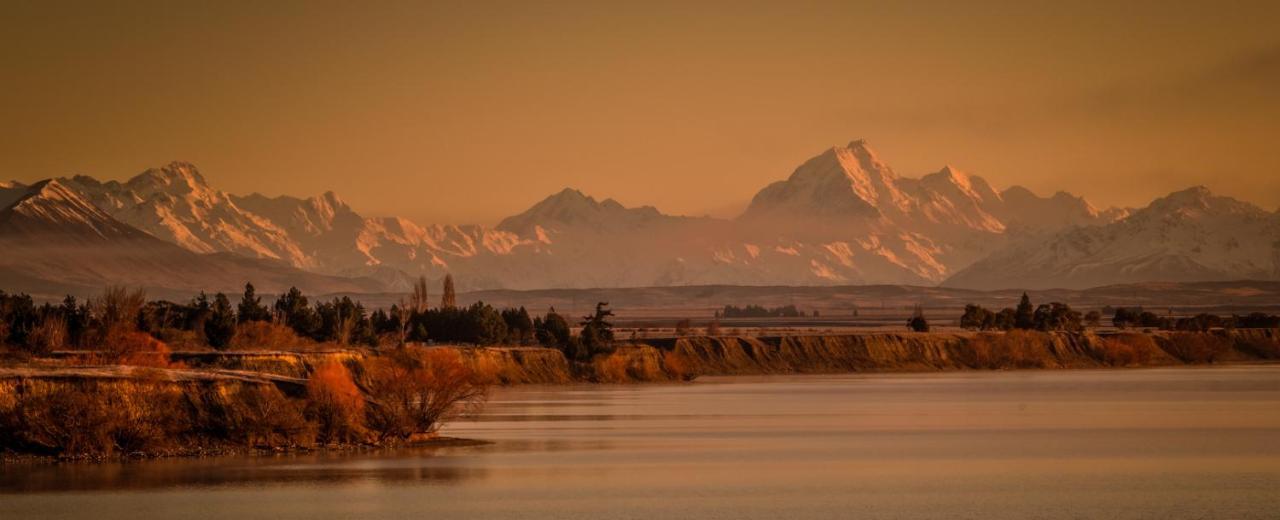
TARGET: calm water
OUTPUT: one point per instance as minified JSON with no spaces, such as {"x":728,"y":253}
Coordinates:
{"x":1176,"y":443}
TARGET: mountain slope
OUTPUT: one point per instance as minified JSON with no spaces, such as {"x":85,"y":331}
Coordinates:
{"x":56,"y":241}
{"x":1190,"y":235}
{"x":175,"y":203}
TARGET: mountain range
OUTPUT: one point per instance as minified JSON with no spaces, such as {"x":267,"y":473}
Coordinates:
{"x":843,"y":217}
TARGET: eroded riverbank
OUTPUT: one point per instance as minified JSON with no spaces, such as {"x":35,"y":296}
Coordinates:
{"x":215,"y":402}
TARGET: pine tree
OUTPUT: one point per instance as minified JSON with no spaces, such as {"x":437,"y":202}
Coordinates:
{"x":220,"y":326}
{"x":597,"y":332}
{"x":449,"y":300}
{"x":251,"y":308}
{"x":917,"y":322}
{"x":1025,"y":315}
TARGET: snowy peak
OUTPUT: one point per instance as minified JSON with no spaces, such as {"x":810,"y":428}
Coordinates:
{"x":51,"y":208}
{"x":573,"y":209}
{"x":176,"y":178}
{"x":1024,"y":210}
{"x":51,"y":194}
{"x":1198,"y":201}
{"x":842,"y":181}
{"x":176,"y":204}
{"x":1189,"y":235}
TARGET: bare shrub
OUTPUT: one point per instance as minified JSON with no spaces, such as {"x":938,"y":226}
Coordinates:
{"x":152,"y":417}
{"x":116,"y":312}
{"x":48,"y":335}
{"x":259,"y":415}
{"x":335,"y":404}
{"x":415,"y":391}
{"x":65,"y":420}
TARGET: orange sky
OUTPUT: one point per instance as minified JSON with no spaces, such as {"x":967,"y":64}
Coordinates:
{"x":471,"y":111}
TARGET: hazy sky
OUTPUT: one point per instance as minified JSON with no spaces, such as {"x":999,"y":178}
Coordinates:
{"x":470,"y":111}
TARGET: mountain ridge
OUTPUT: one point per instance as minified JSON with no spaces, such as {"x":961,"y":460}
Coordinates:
{"x":843,"y":216}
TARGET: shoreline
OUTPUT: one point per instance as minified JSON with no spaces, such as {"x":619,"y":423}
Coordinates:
{"x":9,"y":458}
{"x":216,"y":404}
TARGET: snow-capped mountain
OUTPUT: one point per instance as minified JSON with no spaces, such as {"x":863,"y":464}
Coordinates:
{"x":55,"y":241}
{"x":842,"y":217}
{"x":1190,"y":235}
{"x":175,"y":203}
{"x":852,"y":219}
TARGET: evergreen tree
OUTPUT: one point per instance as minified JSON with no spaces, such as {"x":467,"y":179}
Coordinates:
{"x":449,"y":299}
{"x":597,"y":332}
{"x":251,"y":307}
{"x":483,"y":325}
{"x":552,"y":330}
{"x":519,"y":325}
{"x":1025,"y":315}
{"x":292,"y":307}
{"x":77,"y":317}
{"x":917,"y":322}
{"x":220,"y":324}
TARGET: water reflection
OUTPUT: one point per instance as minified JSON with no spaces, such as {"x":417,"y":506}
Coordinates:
{"x":397,"y":466}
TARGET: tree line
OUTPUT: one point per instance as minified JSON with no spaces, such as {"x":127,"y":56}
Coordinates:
{"x":1057,"y":316}
{"x":217,"y":322}
{"x":1046,"y":316}
{"x":759,"y":311}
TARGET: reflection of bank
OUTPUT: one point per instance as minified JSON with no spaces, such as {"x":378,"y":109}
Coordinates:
{"x":383,"y":465}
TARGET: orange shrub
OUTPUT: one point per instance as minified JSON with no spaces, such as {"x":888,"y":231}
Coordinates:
{"x":335,"y":404}
{"x":266,"y":335}
{"x":138,"y":349}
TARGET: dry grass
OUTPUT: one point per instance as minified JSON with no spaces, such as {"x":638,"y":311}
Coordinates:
{"x":1012,"y":349}
{"x":677,"y":366}
{"x":610,"y":369}
{"x":1127,"y":349}
{"x":1192,"y":347}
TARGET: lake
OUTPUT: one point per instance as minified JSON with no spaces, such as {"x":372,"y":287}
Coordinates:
{"x":1151,"y":443}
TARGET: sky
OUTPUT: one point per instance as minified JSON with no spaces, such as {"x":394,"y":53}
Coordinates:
{"x":466,"y":112}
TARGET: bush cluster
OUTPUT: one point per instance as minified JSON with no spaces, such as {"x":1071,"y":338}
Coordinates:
{"x":405,"y":392}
